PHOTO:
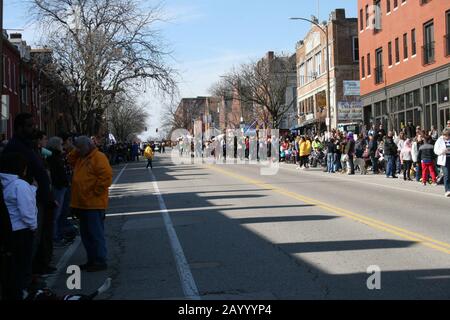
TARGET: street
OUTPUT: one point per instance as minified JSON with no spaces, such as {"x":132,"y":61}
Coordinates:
{"x":225,"y":232}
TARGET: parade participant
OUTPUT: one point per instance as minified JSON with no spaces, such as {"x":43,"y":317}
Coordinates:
{"x":148,"y":154}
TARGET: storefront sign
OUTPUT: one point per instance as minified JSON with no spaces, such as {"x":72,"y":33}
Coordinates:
{"x":352,"y":88}
{"x":350,"y":111}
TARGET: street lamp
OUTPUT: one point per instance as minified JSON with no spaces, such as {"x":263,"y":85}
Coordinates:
{"x":324,"y":29}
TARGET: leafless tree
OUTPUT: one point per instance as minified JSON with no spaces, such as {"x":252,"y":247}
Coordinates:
{"x":263,"y":84}
{"x":104,"y":47}
{"x":127,"y":118}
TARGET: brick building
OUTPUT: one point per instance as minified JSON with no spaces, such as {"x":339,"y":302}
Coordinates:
{"x":405,"y":62}
{"x":28,"y":88}
{"x":312,"y":70}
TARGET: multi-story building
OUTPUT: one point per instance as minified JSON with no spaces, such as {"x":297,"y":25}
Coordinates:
{"x":204,"y":109}
{"x":312,"y":71}
{"x":28,"y":88}
{"x":405,"y":62}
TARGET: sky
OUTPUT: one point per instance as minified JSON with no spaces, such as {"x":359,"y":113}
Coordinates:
{"x":207,"y":38}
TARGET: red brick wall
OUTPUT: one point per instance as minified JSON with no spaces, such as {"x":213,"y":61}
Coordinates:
{"x":411,"y":15}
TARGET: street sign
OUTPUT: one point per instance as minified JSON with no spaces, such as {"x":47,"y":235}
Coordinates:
{"x":352,"y":88}
{"x":350,"y":111}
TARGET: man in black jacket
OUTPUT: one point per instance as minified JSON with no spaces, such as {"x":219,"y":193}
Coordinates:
{"x":390,"y":154}
{"x":22,"y":143}
{"x":410,"y":130}
{"x":373,"y":147}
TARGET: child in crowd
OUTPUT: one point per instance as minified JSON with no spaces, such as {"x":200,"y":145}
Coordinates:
{"x":20,"y":200}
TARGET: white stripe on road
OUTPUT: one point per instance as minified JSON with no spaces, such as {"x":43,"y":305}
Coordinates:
{"x":187,"y":279}
{"x":113,"y":186}
{"x":63,"y":261}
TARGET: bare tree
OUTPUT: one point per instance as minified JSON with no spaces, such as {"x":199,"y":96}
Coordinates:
{"x":263,"y":84}
{"x":103,"y":48}
{"x":127,"y":118}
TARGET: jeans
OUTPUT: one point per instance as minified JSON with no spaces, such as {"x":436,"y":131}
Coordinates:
{"x":330,"y":162}
{"x":398,"y":164}
{"x":390,"y":166}
{"x":446,"y":171}
{"x":92,"y":232}
{"x":418,"y":169}
{"x":350,"y":165}
{"x":149,"y":163}
{"x":374,"y":161}
{"x":59,"y":196}
{"x":407,"y":169}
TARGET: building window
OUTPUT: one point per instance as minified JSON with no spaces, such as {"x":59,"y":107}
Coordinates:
{"x":301,"y":74}
{"x":361,"y":20}
{"x":388,"y":6}
{"x":379,"y":66}
{"x":369,"y":71}
{"x":310,"y":70}
{"x":395,"y":3}
{"x":405,"y":46}
{"x":390,"y":53}
{"x":428,"y":46}
{"x":318,"y":60}
{"x":443,"y":92}
{"x":447,"y":35}
{"x":355,"y":49}
{"x":397,"y":50}
{"x":377,"y":18}
{"x":367,"y":16}
{"x":424,"y":1}
{"x":413,"y":42}
{"x":363,"y":68}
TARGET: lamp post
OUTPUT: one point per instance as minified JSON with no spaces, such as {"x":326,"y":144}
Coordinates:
{"x":324,"y":29}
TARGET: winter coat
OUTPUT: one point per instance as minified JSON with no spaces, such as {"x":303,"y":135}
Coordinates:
{"x":390,"y":148}
{"x":20,"y":200}
{"x":426,"y":153}
{"x":92,"y":176}
{"x":58,"y":172}
{"x":440,"y":149}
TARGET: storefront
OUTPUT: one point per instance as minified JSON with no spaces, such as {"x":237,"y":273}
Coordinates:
{"x":425,"y":101}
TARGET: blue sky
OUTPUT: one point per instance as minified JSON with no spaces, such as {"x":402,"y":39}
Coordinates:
{"x":209,"y":37}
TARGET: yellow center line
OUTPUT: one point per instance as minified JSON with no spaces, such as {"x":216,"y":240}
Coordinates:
{"x":377,"y":224}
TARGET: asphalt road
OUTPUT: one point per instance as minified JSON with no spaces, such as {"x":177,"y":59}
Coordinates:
{"x":186,"y":231}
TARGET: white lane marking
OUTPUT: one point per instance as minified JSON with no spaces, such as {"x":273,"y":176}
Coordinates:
{"x":62,"y":263}
{"x":187,"y":279}
{"x":337,"y":177}
{"x":113,"y":186}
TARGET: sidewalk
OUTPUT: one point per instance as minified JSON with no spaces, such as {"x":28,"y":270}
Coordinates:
{"x":374,"y":180}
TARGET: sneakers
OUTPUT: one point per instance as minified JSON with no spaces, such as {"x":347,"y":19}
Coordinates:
{"x":447,"y":194}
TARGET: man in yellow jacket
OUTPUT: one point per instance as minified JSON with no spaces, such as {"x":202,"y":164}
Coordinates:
{"x":148,"y":153}
{"x":92,"y":177}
